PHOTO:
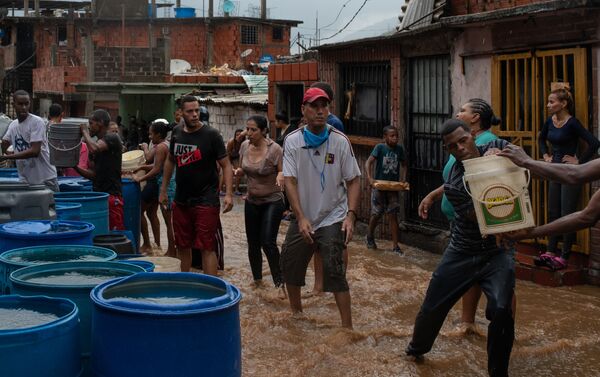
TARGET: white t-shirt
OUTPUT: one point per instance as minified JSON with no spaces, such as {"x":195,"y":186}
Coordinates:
{"x":323,"y":201}
{"x":35,"y":170}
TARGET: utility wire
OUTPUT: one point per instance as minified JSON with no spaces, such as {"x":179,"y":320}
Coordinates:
{"x":338,"y":15}
{"x":348,"y":24}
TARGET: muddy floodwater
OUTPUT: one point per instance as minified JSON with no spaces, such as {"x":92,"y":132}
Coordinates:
{"x":557,"y":329}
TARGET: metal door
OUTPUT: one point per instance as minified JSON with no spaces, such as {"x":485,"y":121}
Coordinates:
{"x":520,"y":88}
{"x":429,"y":105}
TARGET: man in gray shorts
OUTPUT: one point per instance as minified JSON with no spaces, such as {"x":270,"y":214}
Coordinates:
{"x":317,"y":161}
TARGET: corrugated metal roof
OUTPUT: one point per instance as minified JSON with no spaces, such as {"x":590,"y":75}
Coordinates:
{"x":421,"y":13}
{"x":243,"y":99}
{"x":258,"y":84}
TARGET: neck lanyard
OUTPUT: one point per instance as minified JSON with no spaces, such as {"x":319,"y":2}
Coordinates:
{"x":322,"y":172}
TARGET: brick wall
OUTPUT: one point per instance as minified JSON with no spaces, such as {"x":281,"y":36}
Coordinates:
{"x":141,"y":64}
{"x":228,"y":117}
{"x":462,"y":7}
{"x":302,"y":73}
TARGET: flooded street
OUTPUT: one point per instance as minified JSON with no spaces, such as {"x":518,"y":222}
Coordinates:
{"x":557,"y":329}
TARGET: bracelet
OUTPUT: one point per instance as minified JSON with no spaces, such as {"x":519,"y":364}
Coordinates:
{"x":351,"y":211}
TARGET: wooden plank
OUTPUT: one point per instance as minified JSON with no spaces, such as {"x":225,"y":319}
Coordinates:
{"x":364,"y":140}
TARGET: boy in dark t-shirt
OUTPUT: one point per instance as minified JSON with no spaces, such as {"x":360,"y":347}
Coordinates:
{"x":104,"y":165}
{"x":390,"y":165}
{"x":195,"y":150}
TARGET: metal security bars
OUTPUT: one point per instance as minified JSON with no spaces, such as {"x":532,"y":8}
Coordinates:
{"x":428,"y":94}
{"x":521,"y":84}
{"x":364,"y":98}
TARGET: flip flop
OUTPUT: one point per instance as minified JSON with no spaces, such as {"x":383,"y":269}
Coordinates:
{"x":557,"y":263}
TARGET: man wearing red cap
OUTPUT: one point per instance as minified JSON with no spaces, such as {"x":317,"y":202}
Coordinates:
{"x":317,"y":161}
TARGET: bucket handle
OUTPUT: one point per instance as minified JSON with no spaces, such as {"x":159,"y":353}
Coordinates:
{"x":64,"y":149}
{"x":505,"y":200}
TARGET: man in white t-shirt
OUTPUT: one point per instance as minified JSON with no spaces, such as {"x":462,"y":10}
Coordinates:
{"x":27,"y":134}
{"x":322,"y":184}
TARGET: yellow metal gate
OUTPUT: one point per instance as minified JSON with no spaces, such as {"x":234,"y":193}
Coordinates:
{"x":520,"y":88}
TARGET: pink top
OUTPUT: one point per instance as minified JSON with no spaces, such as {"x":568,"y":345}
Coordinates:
{"x":83,"y":162}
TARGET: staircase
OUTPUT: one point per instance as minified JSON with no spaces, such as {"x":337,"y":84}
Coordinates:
{"x":525,"y":269}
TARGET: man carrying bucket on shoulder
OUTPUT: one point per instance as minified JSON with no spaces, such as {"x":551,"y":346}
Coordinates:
{"x":27,"y":134}
{"x":469,"y":259}
{"x":104,"y":165}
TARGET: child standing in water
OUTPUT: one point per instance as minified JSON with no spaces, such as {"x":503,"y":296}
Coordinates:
{"x":388,"y":157}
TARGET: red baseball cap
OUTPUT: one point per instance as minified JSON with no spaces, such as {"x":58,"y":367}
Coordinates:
{"x":313,"y":94}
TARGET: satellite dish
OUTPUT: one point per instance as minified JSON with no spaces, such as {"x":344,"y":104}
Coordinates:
{"x":228,"y":6}
{"x":246,"y":53}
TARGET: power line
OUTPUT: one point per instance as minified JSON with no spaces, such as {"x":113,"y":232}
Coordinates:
{"x":349,"y":22}
{"x":338,"y":15}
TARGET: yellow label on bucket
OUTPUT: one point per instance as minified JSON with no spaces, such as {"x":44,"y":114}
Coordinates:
{"x":499,"y":206}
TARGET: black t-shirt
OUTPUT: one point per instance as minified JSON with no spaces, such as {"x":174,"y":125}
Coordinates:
{"x":281,"y":138}
{"x":107,"y":165}
{"x":465,"y":235}
{"x":196,"y":155}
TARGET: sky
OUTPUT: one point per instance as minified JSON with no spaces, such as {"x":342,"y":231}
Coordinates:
{"x":375,"y":18}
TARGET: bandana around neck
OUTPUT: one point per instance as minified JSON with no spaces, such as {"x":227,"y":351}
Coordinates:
{"x":315,"y":141}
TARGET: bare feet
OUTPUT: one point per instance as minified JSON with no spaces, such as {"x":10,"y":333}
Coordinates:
{"x":145,"y":249}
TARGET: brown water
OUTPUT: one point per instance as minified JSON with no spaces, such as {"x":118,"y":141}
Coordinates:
{"x":557,"y":329}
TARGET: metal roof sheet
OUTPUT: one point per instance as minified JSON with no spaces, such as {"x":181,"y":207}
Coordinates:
{"x":244,"y":99}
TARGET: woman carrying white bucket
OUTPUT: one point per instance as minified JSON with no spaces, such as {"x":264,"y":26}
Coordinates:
{"x":563,"y":131}
{"x":157,"y":155}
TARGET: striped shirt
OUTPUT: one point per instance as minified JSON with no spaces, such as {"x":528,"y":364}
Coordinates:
{"x":465,"y":235}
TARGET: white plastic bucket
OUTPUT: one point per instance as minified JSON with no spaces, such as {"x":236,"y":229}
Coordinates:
{"x":499,"y":192}
{"x":130,"y":161}
{"x":164,"y":264}
{"x":64,"y":141}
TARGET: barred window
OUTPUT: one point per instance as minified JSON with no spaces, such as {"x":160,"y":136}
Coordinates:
{"x":277,"y":33}
{"x":249,"y":34}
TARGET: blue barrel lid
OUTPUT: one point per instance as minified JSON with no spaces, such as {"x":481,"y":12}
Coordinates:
{"x":64,"y":308}
{"x":169,"y":284}
{"x":27,"y":256}
{"x":67,"y":205}
{"x":23,"y":276}
{"x":37,"y":229}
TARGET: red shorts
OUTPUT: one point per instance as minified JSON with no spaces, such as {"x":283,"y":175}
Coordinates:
{"x":195,"y":226}
{"x":115,"y":212}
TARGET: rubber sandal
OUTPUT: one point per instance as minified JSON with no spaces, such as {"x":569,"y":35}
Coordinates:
{"x":557,"y":263}
{"x":543,"y":260}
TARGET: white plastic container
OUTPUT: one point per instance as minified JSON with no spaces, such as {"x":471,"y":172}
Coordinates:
{"x":499,"y":192}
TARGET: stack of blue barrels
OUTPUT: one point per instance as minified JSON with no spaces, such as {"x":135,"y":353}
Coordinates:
{"x":71,"y":309}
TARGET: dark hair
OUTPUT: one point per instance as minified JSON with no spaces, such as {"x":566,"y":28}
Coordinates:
{"x":261,"y":122}
{"x":564,"y":94}
{"x":240,"y":130}
{"x":21,"y":92}
{"x":387,"y":129}
{"x":185,"y":99}
{"x":324,"y":87}
{"x":485,"y":111}
{"x":452,"y":125}
{"x":101,"y":116}
{"x":282,"y":116}
{"x":160,"y":128}
{"x":55,"y":110}
{"x":204,"y":115}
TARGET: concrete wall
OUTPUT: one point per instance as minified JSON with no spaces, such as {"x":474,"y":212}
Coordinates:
{"x":229,"y":117}
{"x":471,"y":75}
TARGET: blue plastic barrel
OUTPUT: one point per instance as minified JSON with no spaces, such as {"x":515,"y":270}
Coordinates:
{"x":12,"y":260}
{"x":185,"y":12}
{"x":94,"y":207}
{"x":50,"y":348}
{"x":146,"y":265}
{"x":70,"y":184}
{"x":15,"y":235}
{"x":9,"y":173}
{"x":71,"y":280}
{"x":196,"y":315}
{"x":68,"y":211}
{"x":132,"y":210}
